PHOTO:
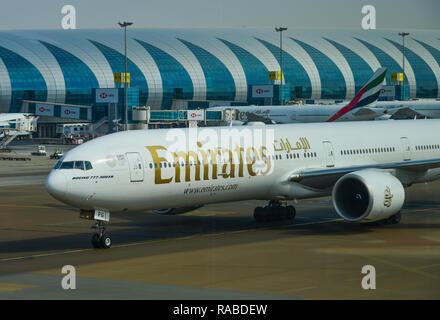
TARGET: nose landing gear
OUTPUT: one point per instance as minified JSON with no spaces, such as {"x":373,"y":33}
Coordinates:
{"x":101,"y":239}
{"x":274,"y":211}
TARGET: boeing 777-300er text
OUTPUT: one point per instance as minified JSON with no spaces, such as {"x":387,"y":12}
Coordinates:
{"x":355,"y":110}
{"x":363,"y":165}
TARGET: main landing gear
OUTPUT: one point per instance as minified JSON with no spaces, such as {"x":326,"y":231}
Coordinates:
{"x":274,"y":211}
{"x":101,"y":240}
{"x":394,"y":219}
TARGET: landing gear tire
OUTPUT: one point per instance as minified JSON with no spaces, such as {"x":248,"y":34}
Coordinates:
{"x":291,"y":212}
{"x":101,"y":240}
{"x":106,"y":241}
{"x":280,"y":213}
{"x":395,"y":219}
{"x":259,"y":214}
{"x":274,"y":212}
{"x":95,"y":241}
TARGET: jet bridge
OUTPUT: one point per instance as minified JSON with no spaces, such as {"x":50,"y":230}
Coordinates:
{"x":13,"y":125}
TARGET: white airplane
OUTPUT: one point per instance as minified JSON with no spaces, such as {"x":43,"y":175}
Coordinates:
{"x":363,"y":165}
{"x":409,"y":109}
{"x":355,"y":110}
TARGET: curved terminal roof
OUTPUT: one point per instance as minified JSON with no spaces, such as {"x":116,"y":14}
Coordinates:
{"x":63,"y":66}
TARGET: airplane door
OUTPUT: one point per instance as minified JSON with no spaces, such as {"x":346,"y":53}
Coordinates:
{"x":406,"y":148}
{"x":136,"y":166}
{"x":329,"y":154}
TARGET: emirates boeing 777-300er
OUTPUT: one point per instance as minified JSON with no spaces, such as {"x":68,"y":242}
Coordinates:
{"x":365,"y":166}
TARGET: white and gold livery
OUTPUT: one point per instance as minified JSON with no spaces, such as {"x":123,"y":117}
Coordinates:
{"x":364,"y":166}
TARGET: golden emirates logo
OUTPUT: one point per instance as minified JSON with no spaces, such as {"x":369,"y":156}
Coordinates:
{"x":388,"y":197}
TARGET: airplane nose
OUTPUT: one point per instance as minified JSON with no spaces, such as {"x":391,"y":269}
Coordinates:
{"x":56,"y":184}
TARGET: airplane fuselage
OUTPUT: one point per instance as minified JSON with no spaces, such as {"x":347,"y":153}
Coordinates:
{"x":297,"y":113}
{"x":146,"y":169}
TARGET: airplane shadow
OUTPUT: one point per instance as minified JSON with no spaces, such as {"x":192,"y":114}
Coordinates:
{"x":144,"y":226}
{"x":60,"y":206}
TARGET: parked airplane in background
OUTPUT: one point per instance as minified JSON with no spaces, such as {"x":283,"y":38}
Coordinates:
{"x":363,"y":165}
{"x":356,"y":110}
{"x":410,"y":109}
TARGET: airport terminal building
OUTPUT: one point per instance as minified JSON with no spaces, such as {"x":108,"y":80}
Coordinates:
{"x":210,"y":65}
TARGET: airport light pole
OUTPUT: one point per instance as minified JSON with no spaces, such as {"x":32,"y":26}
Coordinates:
{"x":280,"y":30}
{"x":403,"y":35}
{"x":124,"y":25}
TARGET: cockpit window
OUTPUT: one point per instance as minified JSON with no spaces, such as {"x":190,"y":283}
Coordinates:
{"x":88,"y":165}
{"x":67,"y":165}
{"x":81,"y":165}
{"x":58,"y":165}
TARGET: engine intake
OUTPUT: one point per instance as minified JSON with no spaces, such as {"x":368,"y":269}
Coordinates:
{"x":368,"y":195}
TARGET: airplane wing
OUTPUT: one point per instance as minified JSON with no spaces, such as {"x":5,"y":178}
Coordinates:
{"x":325,"y":178}
{"x":406,"y":113}
{"x":255,"y":117}
{"x":367,"y":112}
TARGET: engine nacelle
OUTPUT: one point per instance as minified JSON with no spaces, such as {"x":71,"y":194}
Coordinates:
{"x":174,"y":211}
{"x":368,"y":195}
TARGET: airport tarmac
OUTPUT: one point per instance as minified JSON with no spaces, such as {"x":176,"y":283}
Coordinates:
{"x":214,"y":252}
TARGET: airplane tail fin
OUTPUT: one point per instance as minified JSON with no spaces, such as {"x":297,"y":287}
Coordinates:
{"x":368,"y":94}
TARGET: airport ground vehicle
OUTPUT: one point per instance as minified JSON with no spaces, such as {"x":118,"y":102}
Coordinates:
{"x":57,"y":155}
{"x":41,"y":151}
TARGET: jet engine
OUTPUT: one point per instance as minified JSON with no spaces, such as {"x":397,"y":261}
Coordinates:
{"x":368,"y":195}
{"x":174,"y":211}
